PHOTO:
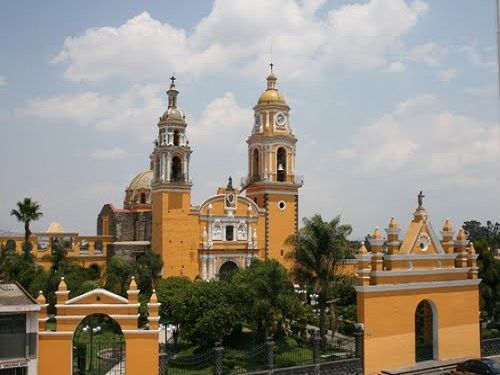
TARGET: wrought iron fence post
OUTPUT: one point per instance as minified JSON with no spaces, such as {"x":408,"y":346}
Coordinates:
{"x":316,"y":352}
{"x":358,"y":344}
{"x":218,"y":352}
{"x":270,"y":353}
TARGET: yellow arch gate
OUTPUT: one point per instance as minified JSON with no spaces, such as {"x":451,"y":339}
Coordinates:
{"x":97,"y":333}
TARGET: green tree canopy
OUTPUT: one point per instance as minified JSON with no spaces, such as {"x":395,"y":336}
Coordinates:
{"x":264,"y":295}
{"x":317,"y":250}
{"x":27,"y":211}
{"x":118,"y":274}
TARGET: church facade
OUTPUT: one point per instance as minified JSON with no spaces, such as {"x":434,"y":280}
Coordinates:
{"x":228,"y":229}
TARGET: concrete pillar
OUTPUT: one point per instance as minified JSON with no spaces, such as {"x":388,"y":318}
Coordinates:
{"x":203,"y":267}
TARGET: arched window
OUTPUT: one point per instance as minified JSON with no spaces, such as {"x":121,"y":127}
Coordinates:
{"x":176,"y":138}
{"x":281,"y":164}
{"x":255,"y":165}
{"x":143,"y":198}
{"x":176,"y":169}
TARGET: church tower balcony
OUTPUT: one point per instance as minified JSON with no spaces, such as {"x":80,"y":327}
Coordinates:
{"x":171,"y":155}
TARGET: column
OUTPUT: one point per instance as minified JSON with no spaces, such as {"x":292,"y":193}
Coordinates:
{"x":184,"y":165}
{"x":211,"y":267}
{"x":162,"y":170}
{"x":204,"y":267}
{"x":249,"y":235}
{"x":168,"y":167}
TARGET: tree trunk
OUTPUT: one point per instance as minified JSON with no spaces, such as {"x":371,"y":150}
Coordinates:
{"x":322,"y":321}
{"x":27,"y":232}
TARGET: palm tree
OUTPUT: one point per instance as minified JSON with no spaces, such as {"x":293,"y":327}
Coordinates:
{"x":27,"y":211}
{"x":317,"y":248}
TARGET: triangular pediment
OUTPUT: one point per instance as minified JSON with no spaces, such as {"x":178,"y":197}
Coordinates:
{"x":96,"y":297}
{"x":420,"y":239}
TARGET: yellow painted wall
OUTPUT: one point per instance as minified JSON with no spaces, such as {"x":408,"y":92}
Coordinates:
{"x":389,"y":323}
{"x":176,"y":233}
{"x":281,"y":225}
{"x":138,"y":347}
{"x":54,"y":354}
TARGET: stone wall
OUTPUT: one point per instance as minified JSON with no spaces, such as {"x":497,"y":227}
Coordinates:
{"x":126,"y":225}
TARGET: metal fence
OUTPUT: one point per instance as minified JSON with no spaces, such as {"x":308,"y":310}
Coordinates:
{"x":490,"y":347}
{"x":284,"y":356}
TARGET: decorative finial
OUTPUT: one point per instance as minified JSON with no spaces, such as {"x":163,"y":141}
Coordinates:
{"x":420,"y":198}
{"x":172,"y":78}
{"x":271,"y":65}
{"x":230,"y":183}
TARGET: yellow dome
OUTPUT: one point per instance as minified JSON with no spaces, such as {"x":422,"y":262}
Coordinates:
{"x":271,"y":96}
{"x":141,"y":181}
{"x":55,"y":228}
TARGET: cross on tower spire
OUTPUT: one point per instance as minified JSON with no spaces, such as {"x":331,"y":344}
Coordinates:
{"x":173,"y":79}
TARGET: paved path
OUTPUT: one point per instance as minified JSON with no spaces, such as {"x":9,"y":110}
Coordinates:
{"x":118,"y":369}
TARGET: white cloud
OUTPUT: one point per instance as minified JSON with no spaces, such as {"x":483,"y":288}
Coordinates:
{"x":109,"y":154}
{"x":222,"y":121}
{"x":3,"y":81}
{"x":128,"y":111}
{"x":237,"y":34}
{"x":396,"y":67}
{"x":481,"y":91}
{"x":446,"y":75}
{"x":420,"y":137}
{"x":429,"y":54}
{"x":481,"y":58}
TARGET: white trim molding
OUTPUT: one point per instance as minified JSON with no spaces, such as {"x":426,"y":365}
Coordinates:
{"x":414,"y":286}
{"x":100,"y":305}
{"x":415,"y":272}
{"x":95,"y":292}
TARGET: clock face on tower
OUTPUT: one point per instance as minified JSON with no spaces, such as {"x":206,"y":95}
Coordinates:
{"x":257,"y":120}
{"x":280,"y":119}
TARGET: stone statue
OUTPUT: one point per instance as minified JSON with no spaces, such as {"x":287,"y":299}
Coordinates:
{"x":420,"y":199}
{"x":230,"y":183}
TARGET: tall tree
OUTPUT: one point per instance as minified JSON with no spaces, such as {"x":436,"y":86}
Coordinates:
{"x":264,"y":295}
{"x":27,"y":211}
{"x":318,"y":248}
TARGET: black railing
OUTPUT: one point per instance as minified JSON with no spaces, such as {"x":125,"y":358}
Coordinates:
{"x":490,"y":347}
{"x":285,"y":356}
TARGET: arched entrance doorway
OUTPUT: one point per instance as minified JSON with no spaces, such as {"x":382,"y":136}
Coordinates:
{"x":227,"y":270}
{"x":98,"y":347}
{"x":425,"y":335}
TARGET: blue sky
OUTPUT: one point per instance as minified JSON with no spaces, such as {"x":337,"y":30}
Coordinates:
{"x":388,"y":97}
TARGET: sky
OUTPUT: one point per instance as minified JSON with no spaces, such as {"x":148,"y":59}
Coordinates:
{"x":388,"y":97}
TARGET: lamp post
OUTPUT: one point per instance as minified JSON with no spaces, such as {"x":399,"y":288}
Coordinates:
{"x":91,"y":331}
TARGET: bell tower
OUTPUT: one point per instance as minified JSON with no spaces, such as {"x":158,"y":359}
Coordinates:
{"x":272,"y":181}
{"x":171,"y":185}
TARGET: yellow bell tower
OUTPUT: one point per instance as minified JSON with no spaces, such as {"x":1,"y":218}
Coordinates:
{"x":272,"y":182}
{"x":171,"y":191}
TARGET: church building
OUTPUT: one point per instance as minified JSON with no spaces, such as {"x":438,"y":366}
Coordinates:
{"x":227,"y":230}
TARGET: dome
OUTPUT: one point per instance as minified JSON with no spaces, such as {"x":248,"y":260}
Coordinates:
{"x":172,"y":114}
{"x":55,"y":228}
{"x":271,"y":95}
{"x":141,"y":181}
{"x":138,"y":192}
